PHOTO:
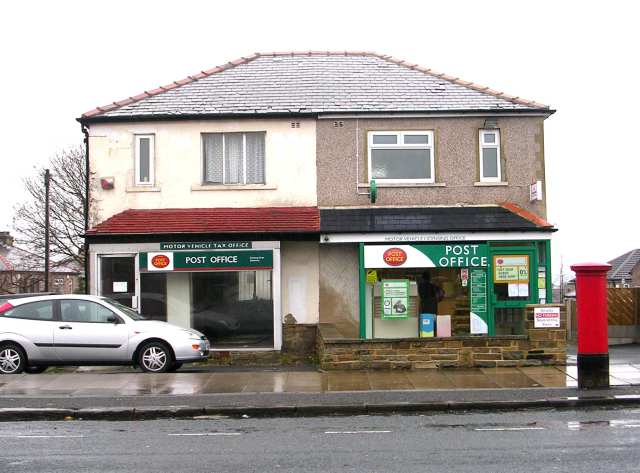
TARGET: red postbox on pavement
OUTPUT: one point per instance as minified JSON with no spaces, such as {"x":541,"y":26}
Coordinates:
{"x":593,"y":340}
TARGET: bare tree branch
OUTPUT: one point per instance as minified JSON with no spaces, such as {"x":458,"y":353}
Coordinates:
{"x":66,"y":209}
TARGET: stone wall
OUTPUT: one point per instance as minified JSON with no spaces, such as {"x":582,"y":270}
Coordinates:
{"x":537,"y":347}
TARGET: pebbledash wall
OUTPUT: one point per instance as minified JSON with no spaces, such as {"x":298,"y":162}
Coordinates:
{"x":342,"y":163}
{"x":539,"y":346}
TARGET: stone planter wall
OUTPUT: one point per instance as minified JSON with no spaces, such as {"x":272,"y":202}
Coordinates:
{"x":536,"y":347}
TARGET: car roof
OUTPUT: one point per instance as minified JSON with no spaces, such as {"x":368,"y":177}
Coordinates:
{"x":36,"y":298}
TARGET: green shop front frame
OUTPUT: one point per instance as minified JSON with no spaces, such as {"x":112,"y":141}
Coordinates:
{"x":479,"y":258}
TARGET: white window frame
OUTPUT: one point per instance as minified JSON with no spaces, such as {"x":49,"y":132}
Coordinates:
{"x":484,"y":145}
{"x":401,"y":145}
{"x":152,"y":153}
{"x":224,"y":165}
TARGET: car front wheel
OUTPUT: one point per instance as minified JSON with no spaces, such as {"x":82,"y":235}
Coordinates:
{"x":155,"y":357}
{"x":12,"y":359}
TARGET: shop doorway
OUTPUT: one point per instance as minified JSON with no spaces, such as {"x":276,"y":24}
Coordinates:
{"x":234,"y":309}
{"x":512,"y":274}
{"x":117,"y":278}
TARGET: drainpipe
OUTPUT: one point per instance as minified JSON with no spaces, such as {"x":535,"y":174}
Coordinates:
{"x":85,"y":131}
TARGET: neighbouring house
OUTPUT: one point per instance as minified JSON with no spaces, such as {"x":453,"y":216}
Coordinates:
{"x":22,"y":271}
{"x":625,"y":270}
{"x":319,"y":189}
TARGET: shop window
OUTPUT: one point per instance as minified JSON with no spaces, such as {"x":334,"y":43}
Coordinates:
{"x":401,"y":157}
{"x":234,"y":158}
{"x":144,"y":160}
{"x":511,"y":277}
{"x":153,"y":296}
{"x":233,"y":309}
{"x":490,"y":156}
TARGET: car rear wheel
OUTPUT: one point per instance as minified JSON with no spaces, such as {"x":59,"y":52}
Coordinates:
{"x":12,"y":359}
{"x":155,"y":357}
{"x":35,"y":369}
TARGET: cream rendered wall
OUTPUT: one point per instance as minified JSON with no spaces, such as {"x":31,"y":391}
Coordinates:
{"x":179,"y":299}
{"x":300,"y":280}
{"x":290,"y":165}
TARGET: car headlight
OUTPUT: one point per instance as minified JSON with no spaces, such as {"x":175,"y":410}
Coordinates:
{"x":191,"y":335}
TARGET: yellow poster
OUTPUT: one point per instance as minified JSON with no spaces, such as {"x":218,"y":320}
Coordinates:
{"x":372,"y":276}
{"x":511,"y":269}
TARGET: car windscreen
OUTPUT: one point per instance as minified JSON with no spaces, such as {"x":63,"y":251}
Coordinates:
{"x":123,"y":308}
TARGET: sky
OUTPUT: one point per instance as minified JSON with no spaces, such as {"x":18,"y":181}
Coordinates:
{"x":60,"y":59}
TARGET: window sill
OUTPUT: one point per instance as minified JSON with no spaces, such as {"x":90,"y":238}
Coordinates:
{"x":491,"y":184}
{"x":404,"y":184}
{"x":232,"y":187}
{"x":142,"y":189}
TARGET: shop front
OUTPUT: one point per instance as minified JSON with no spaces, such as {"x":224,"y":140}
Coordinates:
{"x":413,"y":290}
{"x":227,"y":290}
{"x":437,"y":287}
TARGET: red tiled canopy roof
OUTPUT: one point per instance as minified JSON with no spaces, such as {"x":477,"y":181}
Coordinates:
{"x":217,"y":220}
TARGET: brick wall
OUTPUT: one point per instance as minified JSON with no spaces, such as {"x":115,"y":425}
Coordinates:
{"x":536,"y":347}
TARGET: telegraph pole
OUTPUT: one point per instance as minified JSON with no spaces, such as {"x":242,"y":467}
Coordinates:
{"x":47,"y":179}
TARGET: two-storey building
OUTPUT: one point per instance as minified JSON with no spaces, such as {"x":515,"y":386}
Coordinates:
{"x":328,"y":186}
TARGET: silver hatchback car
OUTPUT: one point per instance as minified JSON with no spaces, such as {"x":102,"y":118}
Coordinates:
{"x":37,"y":332}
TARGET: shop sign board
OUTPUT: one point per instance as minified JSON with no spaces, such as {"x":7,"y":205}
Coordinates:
{"x":511,"y":269}
{"x":453,"y":255}
{"x":395,"y":298}
{"x":207,"y":245}
{"x":479,"y":310}
{"x":546,"y":317}
{"x":206,"y":260}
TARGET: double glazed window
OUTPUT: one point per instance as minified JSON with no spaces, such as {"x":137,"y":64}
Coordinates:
{"x":234,"y":158}
{"x":144,"y":160}
{"x":490,"y":156}
{"x":401,"y":156}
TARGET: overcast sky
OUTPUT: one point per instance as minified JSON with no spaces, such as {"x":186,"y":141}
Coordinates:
{"x":60,"y":59}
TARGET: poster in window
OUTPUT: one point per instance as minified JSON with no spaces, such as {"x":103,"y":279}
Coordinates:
{"x":511,"y":269}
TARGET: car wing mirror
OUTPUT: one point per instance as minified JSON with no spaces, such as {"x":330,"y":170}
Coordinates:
{"x":112,"y":319}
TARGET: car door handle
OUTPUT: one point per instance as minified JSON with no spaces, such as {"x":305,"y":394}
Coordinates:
{"x":65,"y":327}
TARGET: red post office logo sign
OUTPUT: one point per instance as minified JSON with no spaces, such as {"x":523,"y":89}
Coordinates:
{"x":160,"y":261}
{"x":394,"y":256}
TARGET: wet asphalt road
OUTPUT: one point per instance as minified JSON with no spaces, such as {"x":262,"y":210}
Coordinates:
{"x":540,"y":441}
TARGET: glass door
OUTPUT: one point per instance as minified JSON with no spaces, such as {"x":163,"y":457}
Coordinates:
{"x":513,"y":272}
{"x":117,"y":278}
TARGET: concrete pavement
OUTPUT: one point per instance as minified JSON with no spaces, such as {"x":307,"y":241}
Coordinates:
{"x":204,"y":390}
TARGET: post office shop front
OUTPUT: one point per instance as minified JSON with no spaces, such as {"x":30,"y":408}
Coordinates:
{"x":470,"y":288}
{"x":483,"y":266}
{"x":233,"y":289}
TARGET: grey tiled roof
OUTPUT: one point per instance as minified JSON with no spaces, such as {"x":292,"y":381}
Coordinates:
{"x":425,"y":219}
{"x":313,"y":83}
{"x":622,"y":266}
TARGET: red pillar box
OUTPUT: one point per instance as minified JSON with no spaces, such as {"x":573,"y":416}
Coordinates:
{"x":593,"y":342}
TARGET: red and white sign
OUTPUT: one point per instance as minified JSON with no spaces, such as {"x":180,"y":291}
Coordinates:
{"x":546,"y":317}
{"x":394,"y":256}
{"x":160,"y":261}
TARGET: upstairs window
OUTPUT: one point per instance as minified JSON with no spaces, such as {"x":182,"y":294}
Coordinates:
{"x":401,"y":156}
{"x":144,"y":160}
{"x":234,"y":158}
{"x":490,"y":156}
